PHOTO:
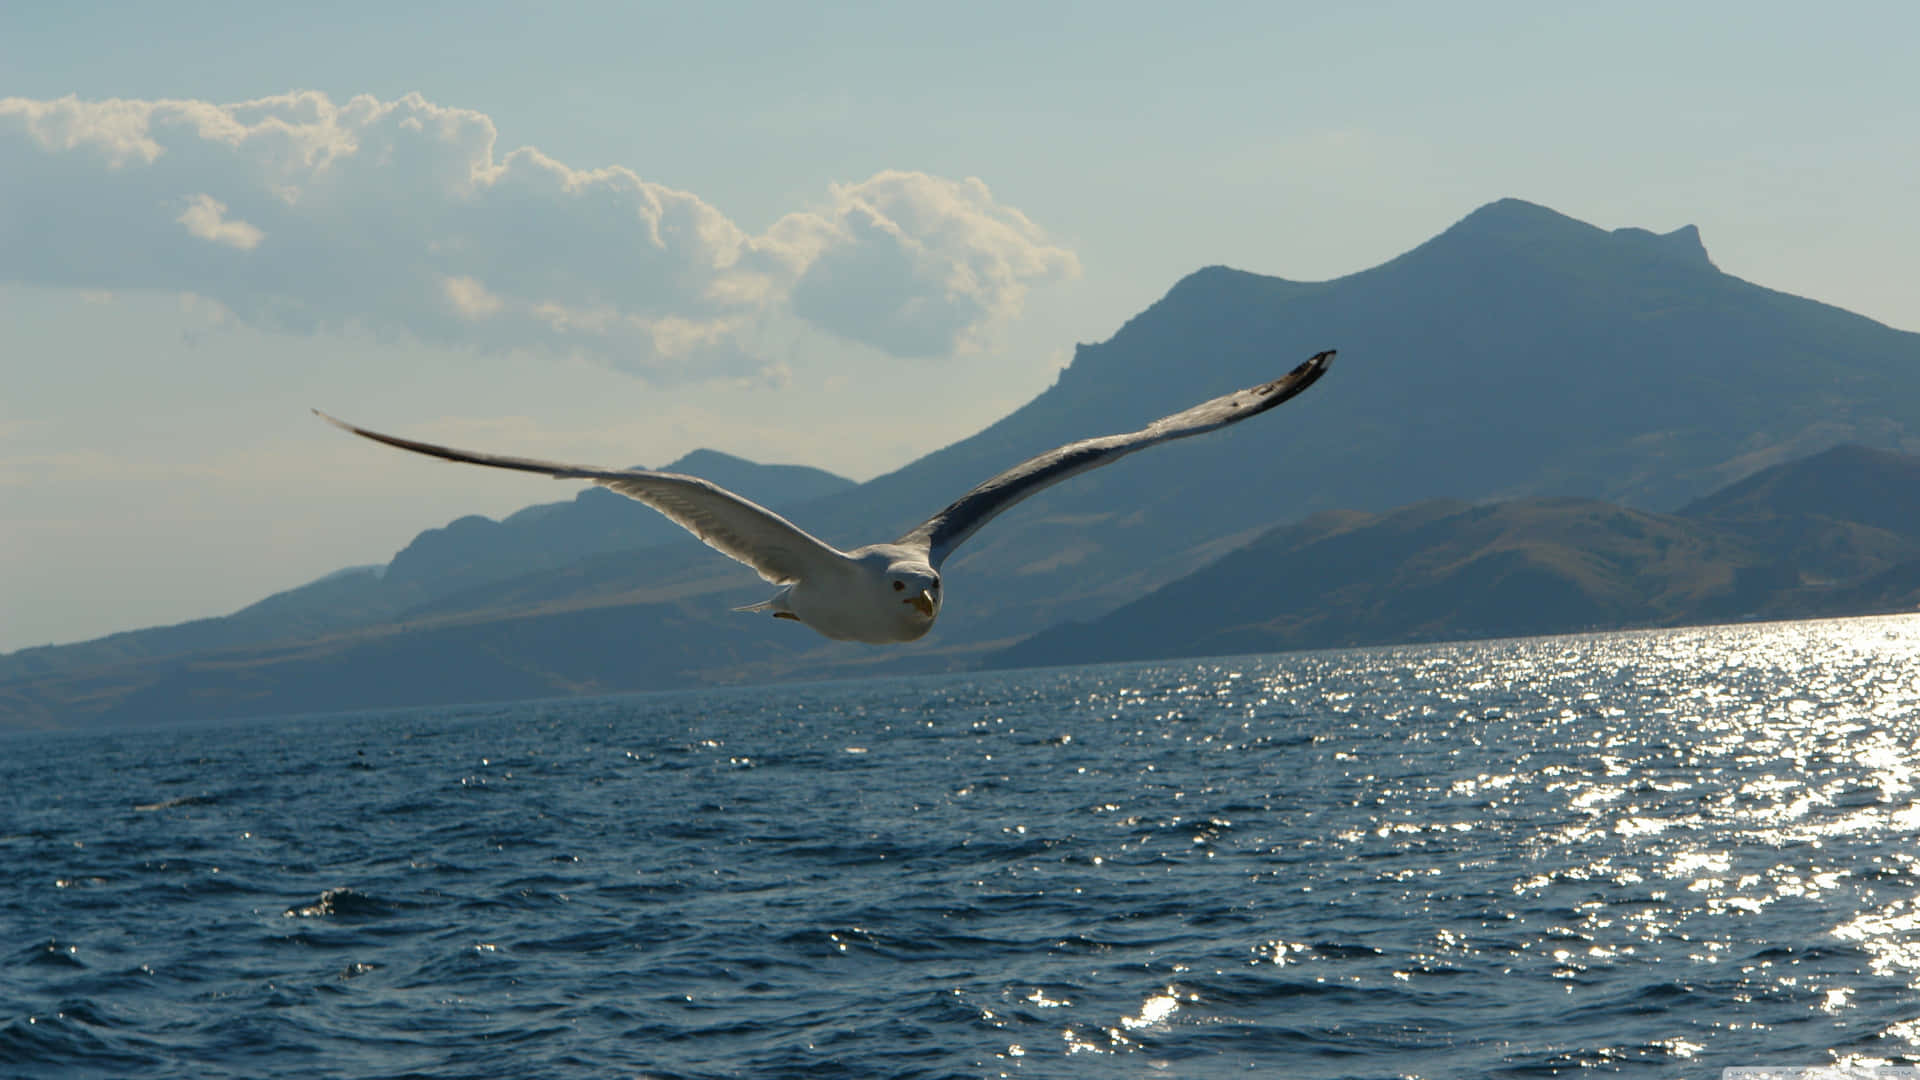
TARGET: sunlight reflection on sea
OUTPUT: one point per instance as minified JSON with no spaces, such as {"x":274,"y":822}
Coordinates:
{"x":1652,"y":853}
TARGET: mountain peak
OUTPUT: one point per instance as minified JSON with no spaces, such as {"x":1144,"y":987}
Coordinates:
{"x":697,"y":462}
{"x":1682,"y":244}
{"x":1214,"y":285}
{"x":1848,"y":482}
{"x":1514,"y":224}
{"x":1510,"y":212}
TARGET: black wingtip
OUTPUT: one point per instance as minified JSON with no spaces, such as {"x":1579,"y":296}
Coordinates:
{"x":335,"y":421}
{"x":1314,"y":366}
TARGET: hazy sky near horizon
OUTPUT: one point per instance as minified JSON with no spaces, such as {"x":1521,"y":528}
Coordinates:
{"x":614,"y":233}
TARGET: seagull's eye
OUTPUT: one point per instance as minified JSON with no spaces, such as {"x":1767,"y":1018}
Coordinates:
{"x":899,"y":586}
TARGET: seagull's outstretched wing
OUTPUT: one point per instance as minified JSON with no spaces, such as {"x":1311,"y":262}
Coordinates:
{"x":946,"y":530}
{"x":779,"y":550}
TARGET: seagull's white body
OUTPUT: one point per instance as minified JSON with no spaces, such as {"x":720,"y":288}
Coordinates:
{"x":851,"y":597}
{"x":881,"y":593}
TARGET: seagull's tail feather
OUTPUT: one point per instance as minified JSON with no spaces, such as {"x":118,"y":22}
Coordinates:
{"x":776,"y":604}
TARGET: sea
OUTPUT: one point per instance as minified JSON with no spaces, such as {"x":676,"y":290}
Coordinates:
{"x":1654,"y":854}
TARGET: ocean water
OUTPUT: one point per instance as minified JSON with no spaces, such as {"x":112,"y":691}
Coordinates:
{"x":1645,"y":854}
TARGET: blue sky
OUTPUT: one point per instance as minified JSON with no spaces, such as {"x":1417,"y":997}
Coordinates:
{"x":733,"y":218}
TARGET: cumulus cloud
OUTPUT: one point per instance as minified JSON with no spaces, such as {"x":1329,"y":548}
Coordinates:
{"x":918,"y":265}
{"x":299,"y":213}
{"x":205,"y":218}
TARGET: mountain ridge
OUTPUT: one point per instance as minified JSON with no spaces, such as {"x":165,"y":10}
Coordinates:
{"x":1448,"y":570}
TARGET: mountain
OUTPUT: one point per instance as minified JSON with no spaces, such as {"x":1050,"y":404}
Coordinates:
{"x":438,"y":566}
{"x":1520,"y":353}
{"x":1837,"y":533}
{"x":1841,"y":528}
{"x":1835,"y":516}
{"x":1436,"y":570}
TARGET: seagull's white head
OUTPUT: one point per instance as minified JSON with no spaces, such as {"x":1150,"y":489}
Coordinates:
{"x":915,"y":586}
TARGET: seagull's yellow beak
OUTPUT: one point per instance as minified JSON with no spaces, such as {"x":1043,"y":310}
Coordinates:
{"x":923,"y":603}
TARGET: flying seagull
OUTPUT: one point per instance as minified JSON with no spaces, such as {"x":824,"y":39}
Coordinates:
{"x":880,"y":593}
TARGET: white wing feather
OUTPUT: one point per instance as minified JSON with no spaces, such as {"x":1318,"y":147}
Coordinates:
{"x":780,"y":551}
{"x":946,"y":530}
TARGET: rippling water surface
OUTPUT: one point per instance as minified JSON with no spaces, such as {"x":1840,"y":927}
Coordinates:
{"x":1655,"y":854}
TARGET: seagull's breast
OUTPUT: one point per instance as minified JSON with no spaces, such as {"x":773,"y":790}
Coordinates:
{"x":860,"y":604}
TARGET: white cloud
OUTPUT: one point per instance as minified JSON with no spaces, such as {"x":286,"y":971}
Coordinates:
{"x":206,"y":219}
{"x":916,"y":264}
{"x":470,"y":298}
{"x":298,"y":213}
